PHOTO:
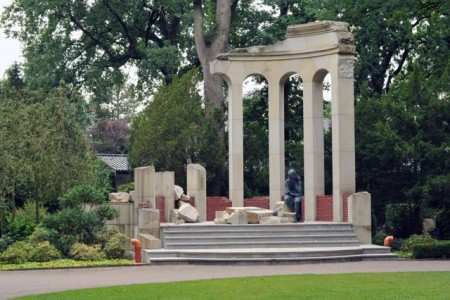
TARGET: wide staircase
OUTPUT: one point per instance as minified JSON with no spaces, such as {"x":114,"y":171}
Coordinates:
{"x":208,"y":243}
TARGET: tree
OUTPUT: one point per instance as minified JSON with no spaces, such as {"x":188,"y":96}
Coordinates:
{"x":44,"y":150}
{"x":111,"y":136}
{"x":172,"y":131}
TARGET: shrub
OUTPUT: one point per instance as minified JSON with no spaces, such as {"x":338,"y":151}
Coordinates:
{"x":416,"y":239}
{"x":61,"y":242}
{"x":84,"y":252}
{"x":43,"y":252}
{"x":397,"y":244}
{"x":403,"y":219}
{"x":127,"y":187}
{"x":17,"y":253}
{"x":443,"y":224}
{"x":439,"y":249}
{"x":115,"y":247}
{"x":378,"y":239}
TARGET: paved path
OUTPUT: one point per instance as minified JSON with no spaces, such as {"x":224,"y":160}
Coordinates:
{"x":18,"y":283}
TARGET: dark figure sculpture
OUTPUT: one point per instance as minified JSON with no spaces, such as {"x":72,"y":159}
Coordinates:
{"x":293,"y":193}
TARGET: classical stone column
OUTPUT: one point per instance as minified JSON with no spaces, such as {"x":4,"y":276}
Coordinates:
{"x":144,"y":186}
{"x":276,"y":141}
{"x":236,"y":144}
{"x":343,"y":133}
{"x":313,"y":146}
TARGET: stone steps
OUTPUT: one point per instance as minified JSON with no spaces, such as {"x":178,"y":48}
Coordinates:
{"x":205,"y":243}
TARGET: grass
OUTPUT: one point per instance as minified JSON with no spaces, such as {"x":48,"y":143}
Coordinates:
{"x":64,"y":263}
{"x":418,"y":285}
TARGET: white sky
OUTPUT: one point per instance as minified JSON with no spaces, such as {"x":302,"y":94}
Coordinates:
{"x":10,"y":50}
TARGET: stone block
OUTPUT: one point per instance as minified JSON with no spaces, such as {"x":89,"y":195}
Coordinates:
{"x":359,"y":214}
{"x":238,"y":217}
{"x":148,"y":241}
{"x":250,"y":208}
{"x":284,"y":220}
{"x":174,"y":215}
{"x":196,"y":188}
{"x":177,"y":192}
{"x":254,"y":216}
{"x":119,"y":197}
{"x":188,"y":213}
{"x":219,"y":221}
{"x":269,"y":220}
{"x":219,"y":214}
{"x":185,"y":198}
{"x":149,"y":221}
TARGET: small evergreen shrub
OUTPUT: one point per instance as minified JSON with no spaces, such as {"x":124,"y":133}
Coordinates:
{"x":127,"y":187}
{"x":85,"y":252}
{"x":43,"y":252}
{"x":17,"y":253}
{"x":378,"y":239}
{"x":439,"y":249}
{"x":416,"y":239}
{"x":397,"y":244}
{"x":115,"y":247}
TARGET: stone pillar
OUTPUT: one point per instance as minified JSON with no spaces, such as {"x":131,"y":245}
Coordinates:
{"x":236,"y":144}
{"x":276,"y":142}
{"x":343,"y":133}
{"x":360,"y":215}
{"x":165,"y":183}
{"x":144,"y":186}
{"x":196,"y":187}
{"x":313,"y":146}
{"x":149,"y":221}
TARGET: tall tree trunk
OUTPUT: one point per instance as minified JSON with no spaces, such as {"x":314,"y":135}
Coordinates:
{"x":214,"y":98}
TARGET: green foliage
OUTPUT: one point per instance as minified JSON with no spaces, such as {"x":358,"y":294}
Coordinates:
{"x":115,"y":246}
{"x":82,"y":195}
{"x":403,"y":219}
{"x":82,"y":217}
{"x":443,"y":224}
{"x":172,"y":131}
{"x":378,"y":239}
{"x":127,"y":187}
{"x":397,"y":244}
{"x":43,"y":252}
{"x":416,"y":239}
{"x":439,"y":249}
{"x":17,"y":253}
{"x":65,"y":263}
{"x":80,"y":251}
{"x":44,"y":149}
{"x":100,"y":175}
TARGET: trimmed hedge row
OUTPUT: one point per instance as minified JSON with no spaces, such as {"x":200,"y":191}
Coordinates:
{"x":439,"y":249}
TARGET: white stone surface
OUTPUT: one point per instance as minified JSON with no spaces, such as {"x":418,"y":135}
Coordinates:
{"x":165,"y":182}
{"x":254,"y":216}
{"x":119,"y":197}
{"x":270,"y":220}
{"x":188,"y":213}
{"x":177,"y":192}
{"x":144,"y":186}
{"x":196,"y":188}
{"x":360,"y":215}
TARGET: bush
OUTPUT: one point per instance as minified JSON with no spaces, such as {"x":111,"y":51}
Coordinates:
{"x":17,"y":253}
{"x":378,"y":239}
{"x":439,"y":249}
{"x":127,"y":187}
{"x":403,"y":220}
{"x":443,"y":224}
{"x":43,"y":252}
{"x":84,"y":252}
{"x":115,"y":247}
{"x":397,"y":244}
{"x":416,"y":239}
{"x":61,"y":242}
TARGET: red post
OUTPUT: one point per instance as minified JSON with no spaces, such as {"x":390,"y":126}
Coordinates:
{"x":388,"y":241}
{"x":137,"y":250}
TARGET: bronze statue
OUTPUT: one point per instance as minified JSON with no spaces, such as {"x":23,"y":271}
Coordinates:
{"x":293,"y":193}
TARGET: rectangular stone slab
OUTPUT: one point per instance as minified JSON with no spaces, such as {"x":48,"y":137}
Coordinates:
{"x":254,"y":216}
{"x":240,"y":208}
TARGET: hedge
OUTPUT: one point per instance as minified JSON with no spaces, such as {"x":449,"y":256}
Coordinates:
{"x":439,"y":249}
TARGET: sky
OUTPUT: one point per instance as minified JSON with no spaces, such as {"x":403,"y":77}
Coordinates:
{"x":10,"y":50}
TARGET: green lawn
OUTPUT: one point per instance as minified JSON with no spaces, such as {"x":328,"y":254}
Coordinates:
{"x":420,"y":285}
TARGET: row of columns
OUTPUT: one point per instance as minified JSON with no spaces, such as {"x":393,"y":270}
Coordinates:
{"x":342,"y":139}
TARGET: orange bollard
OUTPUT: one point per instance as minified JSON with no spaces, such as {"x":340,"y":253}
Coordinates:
{"x":388,"y":241}
{"x":137,"y":250}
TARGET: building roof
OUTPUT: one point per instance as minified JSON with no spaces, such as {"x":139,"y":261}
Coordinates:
{"x":117,"y":162}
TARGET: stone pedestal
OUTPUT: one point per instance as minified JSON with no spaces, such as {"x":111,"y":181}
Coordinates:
{"x":164,"y":184}
{"x":360,"y":215}
{"x":196,"y":188}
